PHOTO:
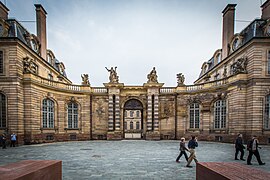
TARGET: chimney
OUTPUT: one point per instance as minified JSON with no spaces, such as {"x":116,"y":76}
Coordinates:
{"x":228,"y":28}
{"x":266,"y":10}
{"x":3,"y":11}
{"x":41,"y":29}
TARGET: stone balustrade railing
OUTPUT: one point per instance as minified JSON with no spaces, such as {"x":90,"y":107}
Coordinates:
{"x":167,"y":90}
{"x":163,"y":90}
{"x":99,"y":90}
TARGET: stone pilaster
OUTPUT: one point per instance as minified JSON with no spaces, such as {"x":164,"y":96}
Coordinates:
{"x":114,"y":120}
{"x":149,"y":113}
{"x":110,"y":113}
{"x":153,"y":110}
{"x":156,"y":113}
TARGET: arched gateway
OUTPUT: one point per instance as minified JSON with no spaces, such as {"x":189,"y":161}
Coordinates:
{"x":133,"y":119}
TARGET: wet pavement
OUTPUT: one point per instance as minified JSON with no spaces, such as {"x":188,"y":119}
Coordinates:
{"x":127,"y":159}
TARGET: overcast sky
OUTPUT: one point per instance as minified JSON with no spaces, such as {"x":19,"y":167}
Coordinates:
{"x":134,"y":35}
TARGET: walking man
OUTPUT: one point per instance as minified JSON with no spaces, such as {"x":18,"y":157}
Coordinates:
{"x":4,"y":141}
{"x":239,"y":147}
{"x":182,"y":149}
{"x":13,"y":140}
{"x":252,"y":147}
{"x":192,"y":144}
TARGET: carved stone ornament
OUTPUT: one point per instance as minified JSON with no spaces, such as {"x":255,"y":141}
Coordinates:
{"x":113,"y":75}
{"x":85,"y":79}
{"x":29,"y":65}
{"x":152,"y":76}
{"x":3,"y":28}
{"x":225,"y":71}
{"x":240,"y":66}
{"x":180,"y":79}
{"x":267,"y":29}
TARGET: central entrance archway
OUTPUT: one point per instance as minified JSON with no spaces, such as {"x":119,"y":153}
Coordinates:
{"x":133,"y":119}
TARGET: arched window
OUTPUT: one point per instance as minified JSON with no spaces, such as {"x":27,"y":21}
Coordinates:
{"x":125,"y":125}
{"x":131,"y":113}
{"x":194,"y":115}
{"x":72,"y":115}
{"x":219,"y":58}
{"x":48,"y":113}
{"x":220,"y":114}
{"x":138,"y":113}
{"x":131,"y":125}
{"x":267,"y":112}
{"x":1,"y":62}
{"x":3,"y":111}
{"x":137,"y":125}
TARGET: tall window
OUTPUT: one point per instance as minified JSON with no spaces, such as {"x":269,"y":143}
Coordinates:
{"x":3,"y":112}
{"x":137,"y":125}
{"x":125,"y":125}
{"x":1,"y":62}
{"x":220,"y":114}
{"x":48,"y":113}
{"x":72,"y":115}
{"x":267,"y":112}
{"x":138,"y":113}
{"x":131,"y":113}
{"x":268,"y":62}
{"x":194,"y":115}
{"x":131,"y":125}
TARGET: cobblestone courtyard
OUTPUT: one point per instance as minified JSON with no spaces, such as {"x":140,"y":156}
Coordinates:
{"x":126,"y":159}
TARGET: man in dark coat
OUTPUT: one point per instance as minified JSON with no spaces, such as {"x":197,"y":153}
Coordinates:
{"x":239,"y":147}
{"x":183,"y":150}
{"x":252,"y":147}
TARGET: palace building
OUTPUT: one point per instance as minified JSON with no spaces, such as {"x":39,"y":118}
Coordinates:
{"x":40,"y":104}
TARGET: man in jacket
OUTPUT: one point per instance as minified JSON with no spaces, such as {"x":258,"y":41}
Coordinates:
{"x":252,"y":147}
{"x":182,"y":149}
{"x":239,"y":147}
{"x":192,"y":144}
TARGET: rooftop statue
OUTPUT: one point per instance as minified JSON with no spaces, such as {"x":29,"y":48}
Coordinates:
{"x":180,"y":79}
{"x":113,"y":75}
{"x":152,"y":76}
{"x":85,"y":79}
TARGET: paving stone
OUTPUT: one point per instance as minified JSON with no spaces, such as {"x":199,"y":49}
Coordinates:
{"x":127,"y":159}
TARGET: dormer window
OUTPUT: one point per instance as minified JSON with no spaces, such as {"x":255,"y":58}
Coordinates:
{"x":1,"y":30}
{"x":50,"y":77}
{"x":219,"y":58}
{"x":34,"y":45}
{"x":236,"y":42}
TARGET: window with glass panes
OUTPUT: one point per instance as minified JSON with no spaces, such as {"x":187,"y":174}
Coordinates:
{"x":194,"y":115}
{"x":1,"y":63}
{"x":3,"y":112}
{"x":131,"y":125}
{"x":137,"y":125}
{"x":220,"y":114}
{"x":72,"y":115}
{"x":267,"y":112}
{"x":138,"y":113}
{"x":268,"y":62}
{"x":48,"y":113}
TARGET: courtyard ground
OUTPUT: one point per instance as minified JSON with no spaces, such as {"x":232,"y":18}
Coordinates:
{"x":134,"y":159}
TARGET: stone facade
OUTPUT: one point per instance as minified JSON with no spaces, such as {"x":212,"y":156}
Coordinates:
{"x":40,"y":104}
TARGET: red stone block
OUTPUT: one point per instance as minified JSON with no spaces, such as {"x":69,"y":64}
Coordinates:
{"x":227,"y":170}
{"x":32,"y":169}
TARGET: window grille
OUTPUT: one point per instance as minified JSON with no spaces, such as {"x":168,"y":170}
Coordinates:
{"x":48,"y":113}
{"x":3,"y":112}
{"x":194,"y":115}
{"x":267,"y":112}
{"x":220,"y":114}
{"x":72,"y":115}
{"x":1,"y":62}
